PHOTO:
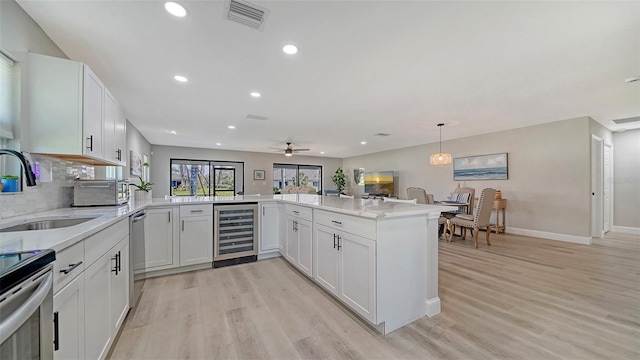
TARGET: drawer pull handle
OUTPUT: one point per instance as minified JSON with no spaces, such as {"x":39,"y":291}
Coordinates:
{"x":197,"y":211}
{"x":336,"y":222}
{"x":71,"y":268}
{"x":296,"y":212}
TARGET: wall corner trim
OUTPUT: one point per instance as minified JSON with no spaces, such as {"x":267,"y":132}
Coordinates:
{"x":585,"y":240}
{"x":626,"y":229}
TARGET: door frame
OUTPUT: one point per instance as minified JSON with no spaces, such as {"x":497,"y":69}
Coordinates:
{"x":608,"y":182}
{"x":597,"y":150}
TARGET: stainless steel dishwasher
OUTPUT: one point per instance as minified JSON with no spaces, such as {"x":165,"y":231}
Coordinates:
{"x":136,"y":248}
{"x":235,"y":234}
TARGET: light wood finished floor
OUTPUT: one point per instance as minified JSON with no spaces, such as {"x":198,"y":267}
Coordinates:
{"x":521,"y":298}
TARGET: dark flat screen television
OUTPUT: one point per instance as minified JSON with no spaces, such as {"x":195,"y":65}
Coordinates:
{"x":378,"y":183}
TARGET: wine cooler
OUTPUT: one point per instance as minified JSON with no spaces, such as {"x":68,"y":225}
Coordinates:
{"x":235,"y":234}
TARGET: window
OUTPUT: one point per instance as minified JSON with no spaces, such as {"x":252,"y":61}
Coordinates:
{"x":6,"y":98}
{"x":206,"y":178}
{"x":288,"y":178}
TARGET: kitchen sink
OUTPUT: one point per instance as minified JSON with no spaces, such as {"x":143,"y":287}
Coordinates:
{"x":47,"y":224}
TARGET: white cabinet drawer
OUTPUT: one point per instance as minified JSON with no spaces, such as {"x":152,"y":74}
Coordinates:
{"x":98,"y":244}
{"x":69,"y":264}
{"x":196,"y":210}
{"x":299,"y":212}
{"x":351,"y":224}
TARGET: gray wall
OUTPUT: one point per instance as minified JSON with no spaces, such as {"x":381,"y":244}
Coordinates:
{"x":626,"y":179}
{"x":548,"y":189}
{"x":138,"y":143}
{"x":160,"y":161}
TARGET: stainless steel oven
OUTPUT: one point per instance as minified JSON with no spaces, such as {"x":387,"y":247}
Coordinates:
{"x":26,"y":305}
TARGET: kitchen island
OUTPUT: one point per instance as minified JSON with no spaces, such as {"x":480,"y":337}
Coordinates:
{"x":378,"y":258}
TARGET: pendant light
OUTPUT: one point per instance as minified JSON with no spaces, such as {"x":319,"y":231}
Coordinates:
{"x":440,"y":158}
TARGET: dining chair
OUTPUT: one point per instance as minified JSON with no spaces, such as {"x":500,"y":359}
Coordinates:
{"x":412,"y":201}
{"x":481,"y":219}
{"x":461,"y":196}
{"x":420,"y":195}
{"x":346,"y":196}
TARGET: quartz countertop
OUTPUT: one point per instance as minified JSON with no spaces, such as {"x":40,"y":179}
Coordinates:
{"x":61,"y":238}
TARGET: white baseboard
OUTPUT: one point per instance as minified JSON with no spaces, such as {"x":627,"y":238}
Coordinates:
{"x":433,"y":306}
{"x":269,"y":255}
{"x":585,"y":240}
{"x":626,"y":229}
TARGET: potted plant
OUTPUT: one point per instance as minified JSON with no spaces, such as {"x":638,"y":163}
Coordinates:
{"x":10,"y":183}
{"x":143,"y":191}
{"x":339,"y":180}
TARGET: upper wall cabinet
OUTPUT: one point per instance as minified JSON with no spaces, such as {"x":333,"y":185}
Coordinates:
{"x":72,"y":114}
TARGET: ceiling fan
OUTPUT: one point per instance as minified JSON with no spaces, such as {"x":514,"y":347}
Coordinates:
{"x":290,"y":150}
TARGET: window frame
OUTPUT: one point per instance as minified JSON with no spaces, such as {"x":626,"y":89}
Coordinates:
{"x":297,"y":168}
{"x":212,"y":166}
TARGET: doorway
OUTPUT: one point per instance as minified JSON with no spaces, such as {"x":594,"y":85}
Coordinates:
{"x":601,"y":186}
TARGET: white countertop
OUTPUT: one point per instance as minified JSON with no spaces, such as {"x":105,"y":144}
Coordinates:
{"x":58,"y":239}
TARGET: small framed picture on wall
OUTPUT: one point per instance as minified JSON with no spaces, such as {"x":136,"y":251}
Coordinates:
{"x":258,"y":174}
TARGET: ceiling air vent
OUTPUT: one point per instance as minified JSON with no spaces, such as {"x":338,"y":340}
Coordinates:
{"x":245,"y":13}
{"x":626,"y":121}
{"x":256,"y":117}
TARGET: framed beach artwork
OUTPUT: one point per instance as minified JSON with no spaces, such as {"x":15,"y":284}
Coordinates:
{"x":482,"y":167}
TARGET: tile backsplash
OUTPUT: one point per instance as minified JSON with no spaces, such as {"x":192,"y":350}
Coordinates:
{"x":47,"y":195}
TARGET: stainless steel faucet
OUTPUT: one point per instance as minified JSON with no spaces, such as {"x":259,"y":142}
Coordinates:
{"x":28,"y":172}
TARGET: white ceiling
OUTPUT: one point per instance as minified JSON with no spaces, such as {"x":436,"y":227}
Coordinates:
{"x":363,"y":67}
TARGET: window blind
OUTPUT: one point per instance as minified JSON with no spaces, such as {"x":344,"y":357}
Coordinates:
{"x":6,"y":97}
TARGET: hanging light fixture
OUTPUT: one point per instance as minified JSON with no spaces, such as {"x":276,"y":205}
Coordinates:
{"x":440,"y":158}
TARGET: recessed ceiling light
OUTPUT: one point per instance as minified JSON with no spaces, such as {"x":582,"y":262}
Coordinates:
{"x":231,"y":127}
{"x":290,"y":49}
{"x":173,"y":132}
{"x":363,"y":143}
{"x":321,"y":152}
{"x":256,"y":94}
{"x":175,"y":9}
{"x":180,"y":78}
{"x":632,"y":79}
{"x":219,"y":144}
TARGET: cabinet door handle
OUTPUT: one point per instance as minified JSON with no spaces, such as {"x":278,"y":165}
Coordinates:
{"x":182,"y":225}
{"x":336,"y":222}
{"x":196,"y":211}
{"x":115,"y":268}
{"x":263,"y":211}
{"x":295,"y":212}
{"x":90,"y":147}
{"x":169,"y":213}
{"x":71,"y":268}
{"x":56,"y":332}
{"x":339,"y":246}
{"x":334,"y":241}
{"x":119,"y":261}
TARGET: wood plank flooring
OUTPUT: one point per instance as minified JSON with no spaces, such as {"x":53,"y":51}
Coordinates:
{"x":521,"y":298}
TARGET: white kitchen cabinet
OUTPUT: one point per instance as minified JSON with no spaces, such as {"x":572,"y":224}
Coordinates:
{"x":196,"y":234}
{"x":291,"y":252}
{"x":120,"y":137}
{"x":269,"y":221}
{"x":106,"y":283}
{"x":357,"y":261}
{"x":68,"y":315}
{"x":345,"y":263}
{"x":305,"y":246}
{"x":97,"y":307}
{"x":67,"y":108}
{"x":120,"y":285}
{"x":282,"y":226}
{"x":299,"y":238}
{"x":326,"y":258}
{"x":157,"y":249}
